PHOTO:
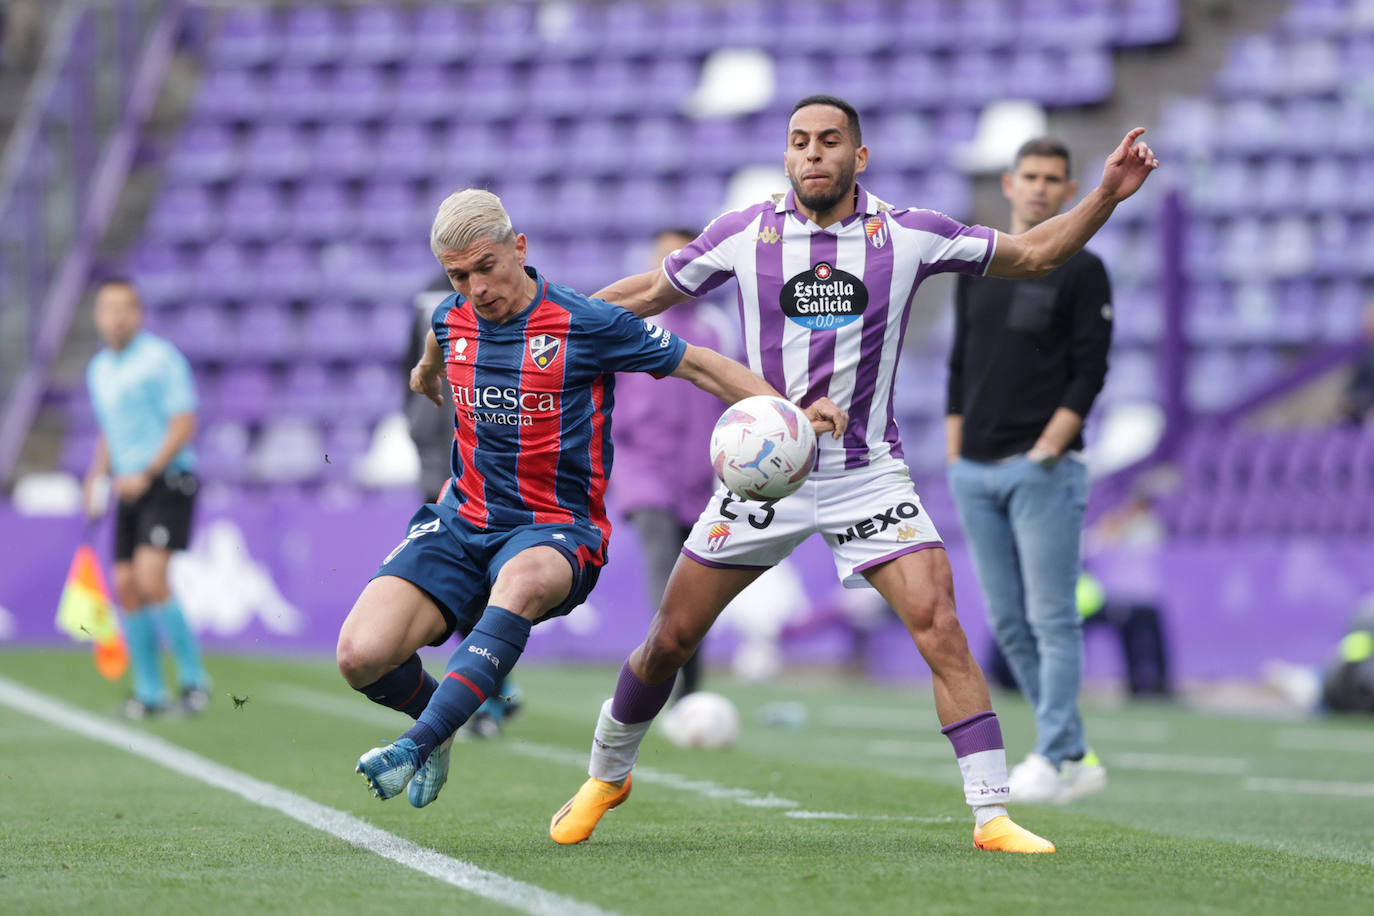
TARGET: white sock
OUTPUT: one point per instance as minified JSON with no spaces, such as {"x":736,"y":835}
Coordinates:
{"x":985,"y":783}
{"x":615,"y":746}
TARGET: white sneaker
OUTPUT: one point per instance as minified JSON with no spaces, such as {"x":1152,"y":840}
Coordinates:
{"x":1033,"y":780}
{"x":1081,"y":777}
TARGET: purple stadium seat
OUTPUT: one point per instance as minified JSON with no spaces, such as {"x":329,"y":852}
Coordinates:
{"x":599,"y":147}
{"x":343,"y":151}
{"x":859,"y":79}
{"x":314,"y":34}
{"x":288,"y":450}
{"x":1147,"y":22}
{"x":296,"y":93}
{"x":617,"y":86}
{"x":277,"y":152}
{"x":247,"y":36}
{"x":375,"y":389}
{"x":389,"y":210}
{"x":1067,"y":23}
{"x":203,"y":332}
{"x":222,"y":451}
{"x":424,"y":92}
{"x":266,"y":333}
{"x":322,"y":211}
{"x":1313,"y":66}
{"x":331,"y":327}
{"x":185,"y":213}
{"x":163,"y":277}
{"x":309,"y":391}
{"x":506,"y":31}
{"x":631,"y":28}
{"x":253,"y":213}
{"x":378,"y":34}
{"x":715,"y":143}
{"x":1254,"y":66}
{"x":289,"y":272}
{"x":558,"y":87}
{"x":693,"y":27}
{"x":386,"y":330}
{"x":491,"y":91}
{"x":984,"y":23}
{"x":923,"y":25}
{"x":918,"y":80}
{"x":407,"y":151}
{"x":810,"y":26}
{"x":751,"y":23}
{"x":225,"y":271}
{"x":470,"y":152}
{"x":231,"y":95}
{"x":866,"y":26}
{"x":532,"y":148}
{"x":666,"y":84}
{"x":360,"y":93}
{"x":656,"y":146}
{"x":205,"y":152}
{"x":441,"y":33}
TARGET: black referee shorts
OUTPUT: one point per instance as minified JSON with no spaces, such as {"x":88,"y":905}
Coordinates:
{"x":160,"y":518}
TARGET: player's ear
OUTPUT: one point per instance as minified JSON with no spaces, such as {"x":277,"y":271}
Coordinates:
{"x":860,"y":159}
{"x":1007,"y":179}
{"x":520,"y":246}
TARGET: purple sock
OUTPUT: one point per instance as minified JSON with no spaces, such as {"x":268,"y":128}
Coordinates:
{"x":636,"y":701}
{"x":979,"y":732}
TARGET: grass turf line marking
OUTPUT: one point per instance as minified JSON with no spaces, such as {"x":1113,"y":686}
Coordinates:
{"x":495,"y":887}
{"x":321,"y":702}
{"x":1315,"y":740}
{"x":1310,"y":787}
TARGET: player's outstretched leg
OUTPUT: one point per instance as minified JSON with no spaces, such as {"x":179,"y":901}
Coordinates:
{"x":622,"y":725}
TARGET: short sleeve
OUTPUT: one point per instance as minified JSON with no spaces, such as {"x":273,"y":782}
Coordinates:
{"x":178,"y":388}
{"x":626,"y":343}
{"x":947,"y":245}
{"x":709,"y":260}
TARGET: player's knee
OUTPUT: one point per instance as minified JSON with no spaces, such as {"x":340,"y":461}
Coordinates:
{"x":935,"y":625}
{"x":358,"y":667}
{"x":669,"y":648}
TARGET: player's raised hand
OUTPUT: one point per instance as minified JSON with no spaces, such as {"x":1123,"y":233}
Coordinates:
{"x":826,"y":416}
{"x":1128,"y":166}
{"x":427,"y":381}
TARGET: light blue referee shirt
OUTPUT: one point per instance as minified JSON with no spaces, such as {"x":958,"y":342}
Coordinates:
{"x":136,"y":392}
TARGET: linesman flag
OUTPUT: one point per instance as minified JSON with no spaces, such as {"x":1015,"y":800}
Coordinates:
{"x":86,"y":612}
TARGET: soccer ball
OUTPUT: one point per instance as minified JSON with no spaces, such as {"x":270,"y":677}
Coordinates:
{"x":763,"y":448}
{"x":702,"y":719}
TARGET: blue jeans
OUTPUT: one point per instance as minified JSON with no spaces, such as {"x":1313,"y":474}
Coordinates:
{"x":1023,"y":524}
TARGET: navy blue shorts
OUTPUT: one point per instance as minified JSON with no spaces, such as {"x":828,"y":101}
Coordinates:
{"x":456,"y":564}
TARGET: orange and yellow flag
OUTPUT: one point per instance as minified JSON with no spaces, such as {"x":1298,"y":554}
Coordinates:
{"x":86,"y":612}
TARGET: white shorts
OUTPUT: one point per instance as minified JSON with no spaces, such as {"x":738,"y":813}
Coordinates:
{"x":868,"y":517}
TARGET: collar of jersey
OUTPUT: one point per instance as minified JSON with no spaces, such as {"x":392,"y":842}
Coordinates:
{"x":540,"y":286}
{"x":865,"y":204}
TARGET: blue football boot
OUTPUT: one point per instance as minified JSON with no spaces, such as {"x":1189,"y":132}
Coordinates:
{"x":388,"y":769}
{"x":424,"y":788}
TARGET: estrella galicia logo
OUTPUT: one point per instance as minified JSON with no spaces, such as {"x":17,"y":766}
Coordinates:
{"x":544,"y":349}
{"x":823,"y":298}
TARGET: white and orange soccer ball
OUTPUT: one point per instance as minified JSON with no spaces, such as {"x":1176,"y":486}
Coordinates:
{"x":762,"y":448}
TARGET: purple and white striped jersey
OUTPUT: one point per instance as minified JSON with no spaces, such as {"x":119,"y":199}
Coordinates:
{"x":824,"y":311}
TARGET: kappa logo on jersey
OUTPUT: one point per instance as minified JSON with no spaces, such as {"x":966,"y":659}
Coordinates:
{"x":823,"y":298}
{"x":460,"y":347}
{"x":880,"y":522}
{"x":544,"y":349}
{"x":769,"y":236}
{"x":876,"y":230}
{"x":717,"y":536}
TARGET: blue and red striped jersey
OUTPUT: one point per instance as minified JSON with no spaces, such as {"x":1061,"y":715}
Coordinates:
{"x":533,"y":398}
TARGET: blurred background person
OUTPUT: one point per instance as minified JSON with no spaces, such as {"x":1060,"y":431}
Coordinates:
{"x":1028,"y":359}
{"x":1357,"y":404}
{"x":145,"y":402}
{"x":662,"y":432}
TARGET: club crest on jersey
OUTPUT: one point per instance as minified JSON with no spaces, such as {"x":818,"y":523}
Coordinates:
{"x":876,"y":230}
{"x":544,"y":349}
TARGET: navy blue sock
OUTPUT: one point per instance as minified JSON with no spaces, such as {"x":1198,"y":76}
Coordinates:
{"x":407,"y":688}
{"x":474,"y":672}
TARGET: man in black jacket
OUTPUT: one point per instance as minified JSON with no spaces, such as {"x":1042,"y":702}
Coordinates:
{"x":1028,"y":359}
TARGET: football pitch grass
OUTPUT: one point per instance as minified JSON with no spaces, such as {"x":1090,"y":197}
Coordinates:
{"x":855,"y":810}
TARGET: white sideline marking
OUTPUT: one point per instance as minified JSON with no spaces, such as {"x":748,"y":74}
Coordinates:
{"x":1176,"y":763}
{"x":1314,"y":740}
{"x":495,"y":887}
{"x":1311,"y":787}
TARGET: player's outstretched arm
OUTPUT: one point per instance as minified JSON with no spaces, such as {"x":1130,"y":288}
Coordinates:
{"x":1041,"y":249}
{"x":730,"y":381}
{"x":428,"y":373}
{"x":644,"y":294}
